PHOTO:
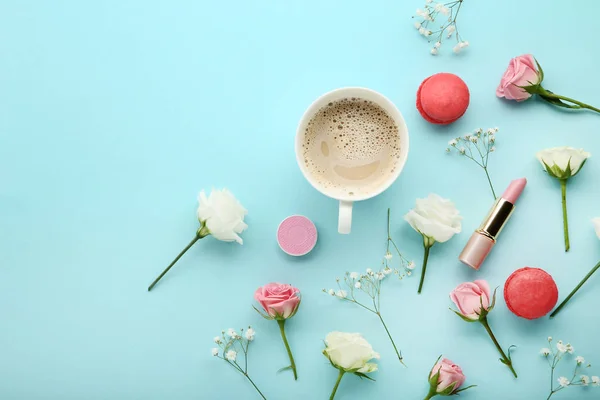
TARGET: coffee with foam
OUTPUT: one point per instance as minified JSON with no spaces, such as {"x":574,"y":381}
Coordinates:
{"x":351,"y":147}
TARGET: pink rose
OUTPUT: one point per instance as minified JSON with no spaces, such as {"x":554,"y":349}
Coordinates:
{"x":521,"y":71}
{"x":280,"y":301}
{"x":450,"y":374}
{"x":469,"y":297}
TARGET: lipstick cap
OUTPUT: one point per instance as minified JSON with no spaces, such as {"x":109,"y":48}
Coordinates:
{"x":476,"y":250}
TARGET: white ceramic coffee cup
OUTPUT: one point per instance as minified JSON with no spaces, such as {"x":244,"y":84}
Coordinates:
{"x":345,"y":213}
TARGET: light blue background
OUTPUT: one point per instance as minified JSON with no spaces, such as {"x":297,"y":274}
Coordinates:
{"x":114,"y":114}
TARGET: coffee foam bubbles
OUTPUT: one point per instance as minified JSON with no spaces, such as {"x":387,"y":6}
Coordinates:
{"x":351,"y":146}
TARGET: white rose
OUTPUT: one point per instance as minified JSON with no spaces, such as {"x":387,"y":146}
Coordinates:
{"x":562,"y":162}
{"x":435,"y":218}
{"x":350,"y":352}
{"x":596,"y":222}
{"x":222,"y":215}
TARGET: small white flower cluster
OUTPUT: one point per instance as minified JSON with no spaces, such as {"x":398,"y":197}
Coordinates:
{"x":476,"y":146}
{"x":448,"y":12}
{"x":229,"y":341}
{"x":554,"y":357}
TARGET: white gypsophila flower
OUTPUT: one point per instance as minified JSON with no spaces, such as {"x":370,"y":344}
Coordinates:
{"x":408,"y":273}
{"x":438,"y":7}
{"x":462,"y":150}
{"x":435,"y":218}
{"x":380,"y":276}
{"x":427,"y":33}
{"x":357,"y":285}
{"x":231,"y":333}
{"x":218,"y":340}
{"x":434,"y":51}
{"x":453,"y":142}
{"x":595,"y":381}
{"x":463,"y":44}
{"x":561,"y":347}
{"x":456,"y":49}
{"x":341,"y":294}
{"x":451,"y":29}
{"x":354,"y":275}
{"x":570,"y":349}
{"x":596,"y":222}
{"x":585,"y":380}
{"x":250,"y":334}
{"x":422,"y":30}
{"x":331,"y":292}
{"x":222,"y":214}
{"x":545,"y":351}
{"x":562,"y":162}
{"x":492,"y":149}
{"x":369,"y":271}
{"x":549,"y":338}
{"x":437,"y":45}
{"x":445,"y":11}
{"x":417,"y":25}
{"x":564,"y":382}
{"x":388,"y":256}
{"x":350,"y":352}
{"x":231,"y":355}
{"x":387,"y":271}
{"x":214,"y":352}
{"x":579,"y":360}
{"x":411,"y":265}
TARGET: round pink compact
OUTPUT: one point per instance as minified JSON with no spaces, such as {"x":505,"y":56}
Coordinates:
{"x":297,"y":235}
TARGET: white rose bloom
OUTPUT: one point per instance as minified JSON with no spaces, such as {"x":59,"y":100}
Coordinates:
{"x":562,"y":162}
{"x":435,"y":218}
{"x":222,"y":214}
{"x":350,"y":352}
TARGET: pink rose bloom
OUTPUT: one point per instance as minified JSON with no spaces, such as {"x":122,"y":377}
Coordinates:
{"x":470,"y":296}
{"x":521,"y":71}
{"x":280,"y":301}
{"x":450,"y":374}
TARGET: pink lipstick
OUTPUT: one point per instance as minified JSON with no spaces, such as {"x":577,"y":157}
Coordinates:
{"x":481,"y":242}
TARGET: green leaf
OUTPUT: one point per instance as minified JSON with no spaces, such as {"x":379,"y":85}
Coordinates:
{"x":265,"y":316}
{"x":449,"y":390}
{"x":493,"y":300}
{"x":361,"y":375}
{"x":462,"y":316}
{"x":557,"y":102}
{"x":463,"y":389}
{"x":540,"y":70}
{"x":284,"y":369}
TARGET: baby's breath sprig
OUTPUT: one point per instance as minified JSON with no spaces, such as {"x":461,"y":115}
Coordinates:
{"x":406,"y":265}
{"x":427,"y":17}
{"x":477,"y":147}
{"x":231,"y":346}
{"x":367,"y":286}
{"x":554,"y":354}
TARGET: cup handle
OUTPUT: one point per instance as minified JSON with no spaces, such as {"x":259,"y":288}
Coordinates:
{"x":345,"y":217}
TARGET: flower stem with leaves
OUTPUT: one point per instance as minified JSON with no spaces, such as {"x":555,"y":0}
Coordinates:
{"x":231,"y":345}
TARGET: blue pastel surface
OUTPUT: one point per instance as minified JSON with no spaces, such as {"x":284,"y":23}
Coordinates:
{"x":114,"y":114}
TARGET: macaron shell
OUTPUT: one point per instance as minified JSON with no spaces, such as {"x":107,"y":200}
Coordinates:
{"x":442,"y":98}
{"x":530,"y":293}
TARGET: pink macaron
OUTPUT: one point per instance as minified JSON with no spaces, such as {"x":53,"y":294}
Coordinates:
{"x":297,"y":235}
{"x":442,"y":98}
{"x":530,"y":293}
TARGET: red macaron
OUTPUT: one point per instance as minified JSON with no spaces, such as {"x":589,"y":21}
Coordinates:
{"x":530,"y":293}
{"x":442,"y":98}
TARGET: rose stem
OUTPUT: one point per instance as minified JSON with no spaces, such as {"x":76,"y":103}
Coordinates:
{"x":579,"y":103}
{"x":505,"y":359}
{"x":281,"y":323}
{"x":196,"y":238}
{"x":425,"y":258}
{"x":337,"y":383}
{"x":564,"y":302}
{"x":563,"y":189}
{"x":398,"y":353}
